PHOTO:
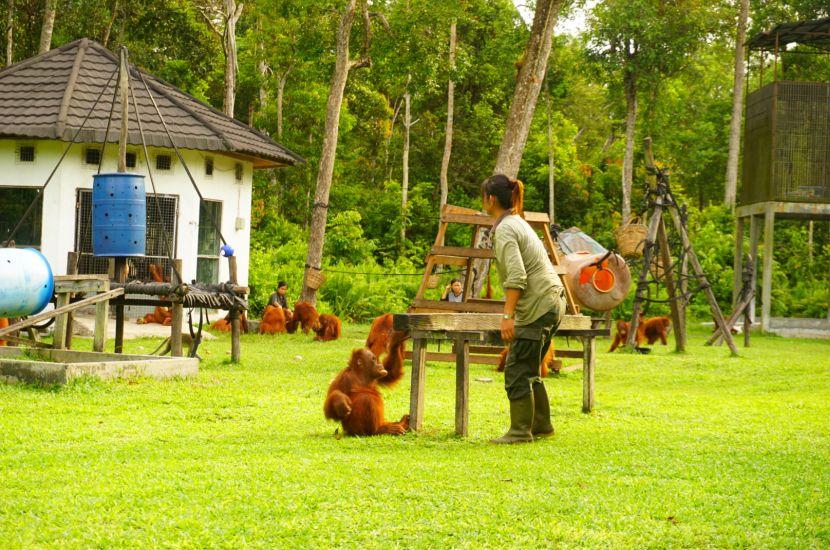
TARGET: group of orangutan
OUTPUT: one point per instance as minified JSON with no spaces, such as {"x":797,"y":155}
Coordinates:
{"x":275,"y":319}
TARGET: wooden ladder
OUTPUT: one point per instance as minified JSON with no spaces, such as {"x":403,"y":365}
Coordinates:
{"x":440,"y":255}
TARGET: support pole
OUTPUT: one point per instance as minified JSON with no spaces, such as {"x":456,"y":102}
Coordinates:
{"x":121,"y":263}
{"x":71,"y":269}
{"x":754,"y":234}
{"x":120,"y":277}
{"x":236,"y":350}
{"x":102,"y":313}
{"x":766,"y":285}
{"x":416,"y":388}
{"x":589,"y":357}
{"x":678,"y":322}
{"x":737,"y":261}
{"x":178,"y":315}
{"x":462,"y":385}
{"x":651,"y":238}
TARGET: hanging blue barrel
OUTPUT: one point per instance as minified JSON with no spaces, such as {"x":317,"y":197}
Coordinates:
{"x":26,"y":282}
{"x":119,"y":215}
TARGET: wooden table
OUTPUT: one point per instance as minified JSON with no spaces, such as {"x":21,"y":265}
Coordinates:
{"x":480,"y":328}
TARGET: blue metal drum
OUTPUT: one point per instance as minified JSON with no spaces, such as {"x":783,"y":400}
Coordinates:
{"x":119,"y":215}
{"x":26,"y":282}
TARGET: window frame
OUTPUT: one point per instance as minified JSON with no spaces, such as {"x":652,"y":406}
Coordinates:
{"x":19,"y":244}
{"x":203,"y":257}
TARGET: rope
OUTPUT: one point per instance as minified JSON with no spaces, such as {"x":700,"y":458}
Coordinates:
{"x":31,"y":207}
{"x":181,"y":159}
{"x":421,"y":274}
{"x":153,"y":185}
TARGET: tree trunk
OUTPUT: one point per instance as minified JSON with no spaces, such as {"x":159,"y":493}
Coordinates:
{"x":528,"y":84}
{"x":737,"y":109}
{"x":46,"y":28}
{"x":280,"y":95}
{"x":10,"y":34}
{"x":628,"y":159}
{"x":551,"y":192}
{"x":317,"y":233}
{"x":445,"y":160}
{"x":407,"y":124}
{"x":231,"y":15}
{"x":108,"y":29}
{"x":522,"y":106}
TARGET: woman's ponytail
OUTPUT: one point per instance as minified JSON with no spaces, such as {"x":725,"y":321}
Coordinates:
{"x":517,"y":196}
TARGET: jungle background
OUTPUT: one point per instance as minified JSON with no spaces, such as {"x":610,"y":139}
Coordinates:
{"x":684,"y":67}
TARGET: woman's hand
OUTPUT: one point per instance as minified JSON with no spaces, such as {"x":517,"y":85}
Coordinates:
{"x":508,"y":332}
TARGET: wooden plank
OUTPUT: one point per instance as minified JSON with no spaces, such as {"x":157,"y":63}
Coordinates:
{"x":416,"y":389}
{"x":35,"y":319}
{"x":463,"y":252}
{"x":59,"y":334}
{"x":569,"y":353}
{"x":462,"y":386}
{"x":442,"y":357}
{"x":476,"y":322}
{"x":448,"y":260}
{"x":422,"y":288}
{"x":589,"y":346}
{"x":71,"y":269}
{"x":102,"y":313}
{"x":82,"y":277}
{"x":465,"y":307}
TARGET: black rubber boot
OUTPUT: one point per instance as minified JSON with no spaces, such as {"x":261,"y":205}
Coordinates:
{"x":542,"y":426}
{"x":521,"y":420}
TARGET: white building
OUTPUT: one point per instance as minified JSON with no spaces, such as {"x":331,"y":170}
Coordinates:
{"x":43,"y":103}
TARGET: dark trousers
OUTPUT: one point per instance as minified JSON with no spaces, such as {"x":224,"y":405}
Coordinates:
{"x":522,"y":367}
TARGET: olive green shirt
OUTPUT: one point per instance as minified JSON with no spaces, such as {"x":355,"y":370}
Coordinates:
{"x":523,"y":263}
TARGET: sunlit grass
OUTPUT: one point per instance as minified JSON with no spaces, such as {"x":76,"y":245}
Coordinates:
{"x":683,"y":450}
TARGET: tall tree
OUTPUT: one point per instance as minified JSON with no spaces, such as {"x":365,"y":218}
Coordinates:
{"x":343,"y":64}
{"x":528,"y":83}
{"x":222,"y":18}
{"x":641,"y":42}
{"x":445,"y":160}
{"x":47,"y":26}
{"x":10,"y":34}
{"x":737,"y":107}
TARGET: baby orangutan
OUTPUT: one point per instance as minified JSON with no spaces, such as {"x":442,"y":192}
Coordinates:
{"x":353,"y":397}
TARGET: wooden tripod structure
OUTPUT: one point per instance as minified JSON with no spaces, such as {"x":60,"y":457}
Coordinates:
{"x":657,"y":238}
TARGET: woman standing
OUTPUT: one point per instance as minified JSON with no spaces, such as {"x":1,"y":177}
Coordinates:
{"x":533,"y":308}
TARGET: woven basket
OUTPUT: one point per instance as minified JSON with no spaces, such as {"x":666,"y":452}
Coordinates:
{"x":631,"y":238}
{"x":314,"y":278}
{"x":432,"y":281}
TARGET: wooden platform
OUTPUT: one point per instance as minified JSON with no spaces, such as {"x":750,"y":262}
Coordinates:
{"x":465,"y":329}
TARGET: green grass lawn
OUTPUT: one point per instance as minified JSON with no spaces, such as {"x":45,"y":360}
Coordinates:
{"x":683,"y":450}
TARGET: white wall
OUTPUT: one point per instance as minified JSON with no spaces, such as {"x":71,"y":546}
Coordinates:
{"x":58,"y":236}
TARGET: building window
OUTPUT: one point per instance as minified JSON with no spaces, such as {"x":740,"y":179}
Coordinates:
{"x":92,"y":155}
{"x":164,"y":162}
{"x":207,"y":261}
{"x":131,"y":160}
{"x":238,"y":170}
{"x":13,"y":203}
{"x":25,"y":153}
{"x":209,"y":166}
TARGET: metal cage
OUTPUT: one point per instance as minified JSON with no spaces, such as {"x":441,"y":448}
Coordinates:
{"x":787,"y":143}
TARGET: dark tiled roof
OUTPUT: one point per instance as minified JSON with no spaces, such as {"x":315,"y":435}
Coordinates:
{"x":48,"y":96}
{"x":814,"y":33}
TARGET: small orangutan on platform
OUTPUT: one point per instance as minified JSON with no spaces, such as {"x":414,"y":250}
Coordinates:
{"x":545,"y":368}
{"x":327,"y":329}
{"x":274,"y":320}
{"x":305,"y":316}
{"x":353,"y":398}
{"x":650,"y":330}
{"x":379,"y":334}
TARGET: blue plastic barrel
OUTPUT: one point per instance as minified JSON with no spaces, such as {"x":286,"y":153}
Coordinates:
{"x":26,"y":282}
{"x":119,"y":215}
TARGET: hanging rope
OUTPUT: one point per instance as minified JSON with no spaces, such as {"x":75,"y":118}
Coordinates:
{"x":167,"y":239}
{"x":31,"y":207}
{"x":181,"y":158}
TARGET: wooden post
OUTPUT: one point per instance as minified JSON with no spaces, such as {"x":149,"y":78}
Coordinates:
{"x":416,"y":391}
{"x":177,"y":320}
{"x":737,"y":261}
{"x":747,"y":325}
{"x":123,"y":89}
{"x":651,"y":238}
{"x":236,"y":350}
{"x":665,"y":259}
{"x":766,"y":285}
{"x":589,"y":353}
{"x":102,"y":313}
{"x":754,"y":234}
{"x":59,"y":335}
{"x":462,"y":385}
{"x":120,"y":277}
{"x":71,"y":269}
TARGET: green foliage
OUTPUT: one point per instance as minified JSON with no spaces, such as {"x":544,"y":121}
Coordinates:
{"x":345,"y":240}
